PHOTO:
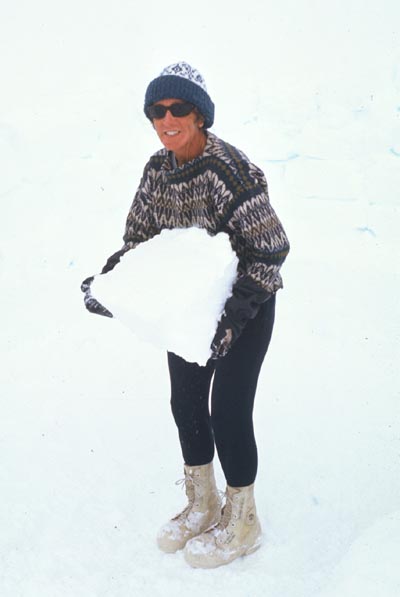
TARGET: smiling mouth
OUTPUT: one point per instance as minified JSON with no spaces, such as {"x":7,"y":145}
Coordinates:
{"x":171,"y":133}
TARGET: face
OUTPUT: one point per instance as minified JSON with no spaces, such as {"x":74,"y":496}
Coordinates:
{"x":183,"y":135}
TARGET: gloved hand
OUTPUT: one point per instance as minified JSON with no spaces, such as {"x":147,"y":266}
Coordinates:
{"x":85,"y":286}
{"x":91,"y":303}
{"x":243,"y":305}
{"x":112,"y":261}
{"x":227,"y":332}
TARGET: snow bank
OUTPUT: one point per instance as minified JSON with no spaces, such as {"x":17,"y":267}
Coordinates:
{"x":171,"y":290}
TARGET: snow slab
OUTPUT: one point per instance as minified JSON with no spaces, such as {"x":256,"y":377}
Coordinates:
{"x":171,"y":290}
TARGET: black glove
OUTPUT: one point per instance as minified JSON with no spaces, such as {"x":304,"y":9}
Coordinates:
{"x":247,"y":296}
{"x":91,"y":303}
{"x":85,"y":286}
{"x":112,"y":261}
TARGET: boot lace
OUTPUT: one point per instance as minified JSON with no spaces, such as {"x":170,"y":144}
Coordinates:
{"x":226,"y":511}
{"x":187,"y":482}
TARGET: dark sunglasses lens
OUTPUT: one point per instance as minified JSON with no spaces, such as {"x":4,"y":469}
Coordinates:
{"x":177,"y":110}
{"x":157,"y":111}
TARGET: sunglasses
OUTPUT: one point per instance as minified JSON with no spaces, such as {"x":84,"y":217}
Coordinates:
{"x":177,"y":110}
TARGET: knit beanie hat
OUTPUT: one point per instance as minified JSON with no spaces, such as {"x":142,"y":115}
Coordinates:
{"x":181,"y":81}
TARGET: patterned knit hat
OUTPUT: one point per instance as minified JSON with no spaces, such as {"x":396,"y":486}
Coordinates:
{"x":181,"y":81}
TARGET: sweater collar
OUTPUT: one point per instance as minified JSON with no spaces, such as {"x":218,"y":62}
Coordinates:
{"x":170,"y":164}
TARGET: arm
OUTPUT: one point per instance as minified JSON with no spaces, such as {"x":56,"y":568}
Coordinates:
{"x":261,"y":243}
{"x":258,"y":237}
{"x":243,"y":305}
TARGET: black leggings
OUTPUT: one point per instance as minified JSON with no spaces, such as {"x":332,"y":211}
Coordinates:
{"x":230,"y":424}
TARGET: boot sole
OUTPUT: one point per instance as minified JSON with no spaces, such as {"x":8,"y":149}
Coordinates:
{"x":216,"y":564}
{"x":252,"y":549}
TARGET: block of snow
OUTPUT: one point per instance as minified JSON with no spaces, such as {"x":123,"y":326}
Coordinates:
{"x":171,"y":290}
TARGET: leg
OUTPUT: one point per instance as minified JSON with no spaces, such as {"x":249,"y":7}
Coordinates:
{"x":190,"y":386}
{"x":239,"y":531}
{"x":233,"y":393}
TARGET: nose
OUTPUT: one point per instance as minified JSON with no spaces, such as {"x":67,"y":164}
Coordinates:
{"x":168,"y":118}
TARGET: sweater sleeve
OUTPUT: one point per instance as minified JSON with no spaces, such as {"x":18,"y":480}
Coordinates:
{"x":257,"y":234}
{"x":140,"y":224}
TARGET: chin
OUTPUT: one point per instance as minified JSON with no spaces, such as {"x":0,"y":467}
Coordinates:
{"x":173,"y":145}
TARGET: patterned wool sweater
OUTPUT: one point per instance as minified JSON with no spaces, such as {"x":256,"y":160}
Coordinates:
{"x":221,"y":191}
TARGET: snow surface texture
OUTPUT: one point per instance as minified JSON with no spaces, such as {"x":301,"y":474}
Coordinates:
{"x":171,"y":290}
{"x":89,"y":451}
{"x":371,"y":566}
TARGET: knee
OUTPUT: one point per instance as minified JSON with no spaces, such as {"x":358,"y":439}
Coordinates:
{"x":228,"y":424}
{"x":187,"y":411}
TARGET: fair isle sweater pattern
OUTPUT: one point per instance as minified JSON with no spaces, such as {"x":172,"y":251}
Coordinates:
{"x":221,"y":191}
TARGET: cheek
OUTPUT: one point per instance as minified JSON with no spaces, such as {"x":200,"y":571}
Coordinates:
{"x":158,"y":131}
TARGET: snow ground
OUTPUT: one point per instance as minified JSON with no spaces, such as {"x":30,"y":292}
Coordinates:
{"x":89,"y":449}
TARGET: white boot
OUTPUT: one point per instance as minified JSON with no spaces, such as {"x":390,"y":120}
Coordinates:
{"x":237,"y":534}
{"x":202,"y":512}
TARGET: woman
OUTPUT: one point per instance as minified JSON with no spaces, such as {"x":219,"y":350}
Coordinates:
{"x":199,"y":180}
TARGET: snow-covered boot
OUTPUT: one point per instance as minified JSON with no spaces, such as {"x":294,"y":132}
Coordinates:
{"x":237,"y":534}
{"x":202,"y":512}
